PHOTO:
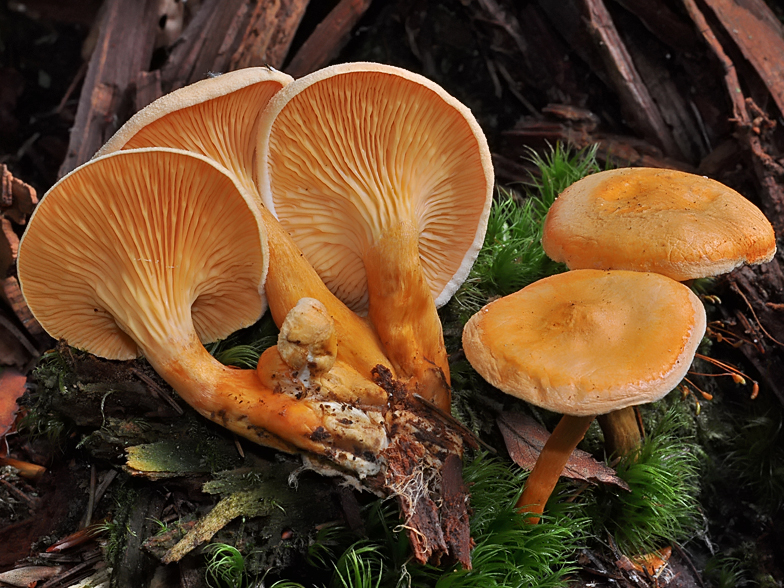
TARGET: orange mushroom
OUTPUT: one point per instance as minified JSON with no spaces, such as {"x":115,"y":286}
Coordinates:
{"x":199,"y":118}
{"x":384,"y":182}
{"x":584,"y":343}
{"x":669,"y":222}
{"x":152,"y":252}
{"x":218,"y":117}
{"x":673,"y":223}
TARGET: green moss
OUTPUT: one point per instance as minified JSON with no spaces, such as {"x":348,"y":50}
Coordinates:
{"x":509,"y":552}
{"x":662,"y":506}
{"x":512,"y":256}
{"x":243,"y":348}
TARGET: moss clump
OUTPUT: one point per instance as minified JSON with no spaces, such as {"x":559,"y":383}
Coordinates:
{"x":512,"y":256}
{"x":663,"y":505}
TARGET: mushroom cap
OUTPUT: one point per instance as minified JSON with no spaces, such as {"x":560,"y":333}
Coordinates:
{"x":657,"y":220}
{"x":137,"y":247}
{"x":588,"y":342}
{"x":216,"y":117}
{"x":354,"y":149}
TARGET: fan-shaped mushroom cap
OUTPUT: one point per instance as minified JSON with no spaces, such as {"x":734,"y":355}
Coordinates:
{"x":217,"y":117}
{"x":587,"y":342}
{"x":669,"y":222}
{"x":351,"y":150}
{"x":186,"y":244}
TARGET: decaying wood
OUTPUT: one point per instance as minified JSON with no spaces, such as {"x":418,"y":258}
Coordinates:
{"x":269,"y":33}
{"x":757,"y":314}
{"x":670,"y":101}
{"x":328,"y":39}
{"x":11,"y":293}
{"x":760,"y":37}
{"x":193,"y":55}
{"x":228,"y":34}
{"x":17,"y":201}
{"x":667,"y":26}
{"x":638,"y":105}
{"x":124,"y":48}
{"x":579,"y":128}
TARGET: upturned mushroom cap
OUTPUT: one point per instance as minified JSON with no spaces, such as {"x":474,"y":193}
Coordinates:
{"x":217,"y":117}
{"x":146,"y":239}
{"x":669,"y":222}
{"x":587,"y":342}
{"x":354,"y":149}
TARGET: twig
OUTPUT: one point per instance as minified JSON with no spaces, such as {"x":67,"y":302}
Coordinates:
{"x":88,"y":515}
{"x":689,"y":563}
{"x":754,"y":314}
{"x":9,"y":326}
{"x":467,"y":434}
{"x":157,"y":389}
{"x":18,"y":492}
{"x":108,"y":479}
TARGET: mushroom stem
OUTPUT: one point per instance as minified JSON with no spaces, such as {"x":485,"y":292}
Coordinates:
{"x":548,"y":467}
{"x":402,"y":309}
{"x":231,"y":397}
{"x":622,"y":434}
{"x":239,"y":401}
{"x":291,"y":277}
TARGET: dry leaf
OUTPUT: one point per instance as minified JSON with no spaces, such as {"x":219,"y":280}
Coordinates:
{"x":524,"y":439}
{"x":29,"y":575}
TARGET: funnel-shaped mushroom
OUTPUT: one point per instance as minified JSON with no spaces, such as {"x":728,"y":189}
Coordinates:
{"x":145,"y":252}
{"x":385,"y":182}
{"x":656,"y":220}
{"x":218,"y":117}
{"x":584,"y":343}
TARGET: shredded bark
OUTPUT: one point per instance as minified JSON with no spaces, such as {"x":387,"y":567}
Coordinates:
{"x":424,"y":474}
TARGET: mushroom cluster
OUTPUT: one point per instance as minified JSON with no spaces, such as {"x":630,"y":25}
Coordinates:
{"x":381,"y":184}
{"x":619,"y":329}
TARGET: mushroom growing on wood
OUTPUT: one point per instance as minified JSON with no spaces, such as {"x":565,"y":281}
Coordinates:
{"x":385,"y":182}
{"x":669,"y":222}
{"x":152,"y":252}
{"x":218,"y":118}
{"x":584,"y":343}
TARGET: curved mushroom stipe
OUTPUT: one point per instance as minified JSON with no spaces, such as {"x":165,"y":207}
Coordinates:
{"x":291,"y":278}
{"x":385,"y":183}
{"x":128,"y":255}
{"x":219,"y":118}
{"x":541,"y":482}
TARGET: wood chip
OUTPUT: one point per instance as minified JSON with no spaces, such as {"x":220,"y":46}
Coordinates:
{"x":12,"y":294}
{"x":124,"y":48}
{"x":268,"y":35}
